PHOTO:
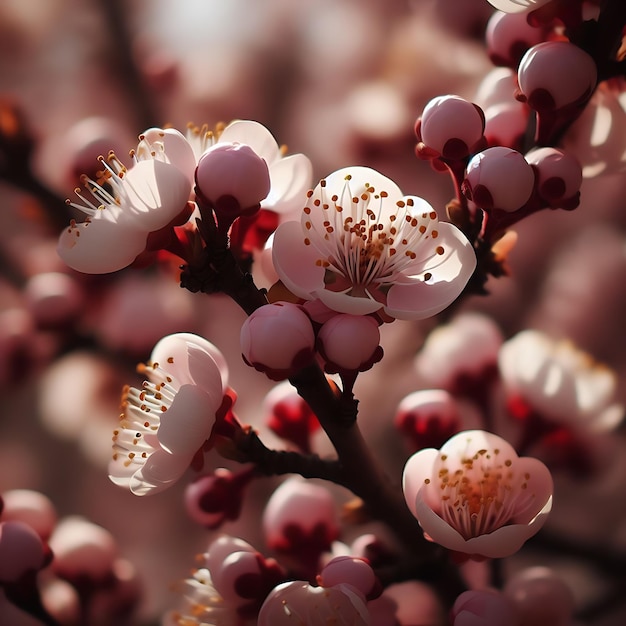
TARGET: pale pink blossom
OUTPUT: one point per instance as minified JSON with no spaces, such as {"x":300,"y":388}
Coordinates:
{"x":560,"y":382}
{"x":476,"y":496}
{"x":362,"y":247}
{"x":126,"y":205}
{"x":167,"y":421}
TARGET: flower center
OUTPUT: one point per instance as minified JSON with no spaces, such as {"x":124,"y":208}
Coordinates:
{"x":361,"y":241}
{"x":141,"y":414}
{"x":482,"y":493}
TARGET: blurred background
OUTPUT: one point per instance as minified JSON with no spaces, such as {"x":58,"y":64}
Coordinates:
{"x":339,"y":80}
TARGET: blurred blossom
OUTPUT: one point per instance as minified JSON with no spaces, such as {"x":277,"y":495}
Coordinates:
{"x":484,"y":608}
{"x":476,"y":496}
{"x":362,"y":247}
{"x":464,"y":350}
{"x":166,"y":422}
{"x":559,"y":381}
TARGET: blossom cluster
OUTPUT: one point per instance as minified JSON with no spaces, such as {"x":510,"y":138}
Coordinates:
{"x":388,"y":390}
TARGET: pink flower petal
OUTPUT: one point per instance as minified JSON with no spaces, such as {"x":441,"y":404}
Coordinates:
{"x":159,"y":472}
{"x":295,"y":262}
{"x":290,"y":179}
{"x":418,"y":468}
{"x":255,"y":135}
{"x":344,"y":303}
{"x":187,"y":424}
{"x":101,"y":245}
{"x":157,"y":193}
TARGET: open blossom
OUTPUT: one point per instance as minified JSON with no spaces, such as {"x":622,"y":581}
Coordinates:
{"x":362,"y":247}
{"x":126,"y":205}
{"x":559,"y":382}
{"x":476,"y":496}
{"x":517,"y":6}
{"x":167,"y":421}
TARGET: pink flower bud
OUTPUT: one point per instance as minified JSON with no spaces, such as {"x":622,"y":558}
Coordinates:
{"x":349,"y":570}
{"x":300,"y":516}
{"x":350,"y":343}
{"x":505,"y":124}
{"x":559,"y":176}
{"x":21,"y":551}
{"x":541,"y":597}
{"x":82,"y":549}
{"x":233,"y":178}
{"x":484,"y":608}
{"x":213,"y":499}
{"x":278,"y":339}
{"x":30,"y":507}
{"x":53,"y":298}
{"x":499,"y":178}
{"x":451,"y":126}
{"x":428,"y":418}
{"x":289,"y":416}
{"x":555,"y":74}
{"x":509,"y":36}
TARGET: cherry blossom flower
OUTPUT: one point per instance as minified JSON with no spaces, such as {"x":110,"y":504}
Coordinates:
{"x":476,"y":496}
{"x":362,"y":247}
{"x":559,"y":381}
{"x":165,"y":423}
{"x":126,"y":206}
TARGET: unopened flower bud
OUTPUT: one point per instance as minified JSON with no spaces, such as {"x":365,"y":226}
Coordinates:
{"x":30,"y":507}
{"x":82,"y":550}
{"x":559,"y":176}
{"x":556,"y":74}
{"x":289,"y":416}
{"x":499,"y":178}
{"x":349,"y":343}
{"x":21,"y":551}
{"x":450,"y":127}
{"x":348,"y":570}
{"x":300,"y":517}
{"x":213,"y":499}
{"x":278,"y":339}
{"x":509,"y":36}
{"x":484,"y":607}
{"x":233,"y":178}
{"x":541,"y":597}
{"x":428,"y":418}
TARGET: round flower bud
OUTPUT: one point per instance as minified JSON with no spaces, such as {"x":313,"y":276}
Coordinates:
{"x":450,"y":126}
{"x":505,"y":124}
{"x":541,"y":597}
{"x":21,"y":551}
{"x":30,"y":507}
{"x":428,"y":418}
{"x":278,"y":339}
{"x":555,"y":74}
{"x":559,"y":176}
{"x":233,"y":178}
{"x":508,"y":36}
{"x":82,"y":549}
{"x":53,"y":298}
{"x":499,"y":178}
{"x":349,"y":343}
{"x":300,"y":518}
{"x":348,"y":570}
{"x":484,"y":607}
